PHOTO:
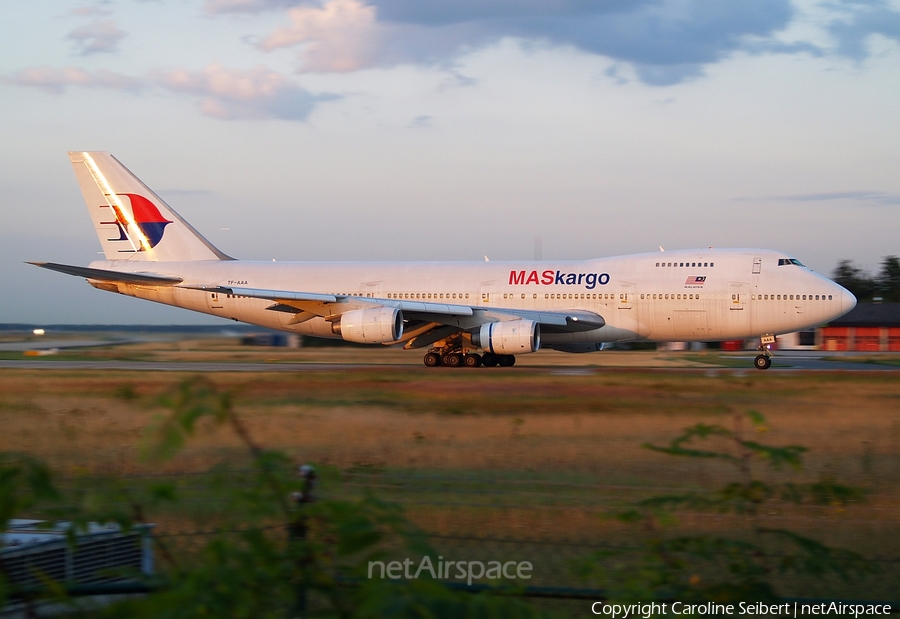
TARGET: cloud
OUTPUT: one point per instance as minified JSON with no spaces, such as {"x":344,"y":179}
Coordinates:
{"x":97,"y":37}
{"x":215,"y":7}
{"x":91,"y":10}
{"x":230,"y":94}
{"x":859,"y":21}
{"x":421,"y":122}
{"x":875,"y":197}
{"x":224,"y":93}
{"x":56,"y":81}
{"x":667,"y":41}
{"x":340,"y":36}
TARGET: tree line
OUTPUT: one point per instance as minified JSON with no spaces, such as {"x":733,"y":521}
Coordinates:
{"x":868,"y":287}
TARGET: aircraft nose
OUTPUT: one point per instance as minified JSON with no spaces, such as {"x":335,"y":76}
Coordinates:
{"x":848,"y":301}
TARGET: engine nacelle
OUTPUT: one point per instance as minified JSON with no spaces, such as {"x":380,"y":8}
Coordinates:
{"x":377,"y":325}
{"x":512,"y":337}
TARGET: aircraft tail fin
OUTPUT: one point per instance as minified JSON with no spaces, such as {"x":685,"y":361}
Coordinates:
{"x":132,"y":222}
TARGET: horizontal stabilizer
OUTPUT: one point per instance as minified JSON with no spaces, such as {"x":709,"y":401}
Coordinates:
{"x":104,"y":275}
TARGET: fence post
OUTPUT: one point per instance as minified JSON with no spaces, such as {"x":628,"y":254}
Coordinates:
{"x":297,"y":533}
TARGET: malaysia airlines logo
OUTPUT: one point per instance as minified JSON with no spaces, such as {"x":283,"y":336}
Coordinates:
{"x":145,"y":217}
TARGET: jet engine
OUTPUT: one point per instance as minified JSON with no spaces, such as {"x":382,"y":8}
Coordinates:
{"x":509,"y":337}
{"x":377,"y":325}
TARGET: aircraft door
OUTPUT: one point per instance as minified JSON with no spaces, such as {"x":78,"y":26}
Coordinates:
{"x":738,"y":297}
{"x":370,"y":289}
{"x":487,"y":294}
{"x":214,"y":300}
{"x":626,"y":295}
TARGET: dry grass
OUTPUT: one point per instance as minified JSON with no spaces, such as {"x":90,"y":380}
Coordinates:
{"x":588,"y":423}
{"x":578,"y":435}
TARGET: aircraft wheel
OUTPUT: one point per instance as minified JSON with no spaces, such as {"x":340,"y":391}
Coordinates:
{"x":488,"y":359}
{"x":762,"y":362}
{"x":472,"y":361}
{"x":454,"y":360}
{"x":432,"y":359}
{"x":506,"y":361}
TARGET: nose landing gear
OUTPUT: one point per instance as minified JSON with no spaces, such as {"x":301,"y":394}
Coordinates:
{"x":764,"y":360}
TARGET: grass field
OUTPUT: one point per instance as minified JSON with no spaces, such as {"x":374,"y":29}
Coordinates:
{"x":530,"y":456}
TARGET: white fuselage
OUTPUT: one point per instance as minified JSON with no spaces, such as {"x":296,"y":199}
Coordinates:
{"x":704,"y":295}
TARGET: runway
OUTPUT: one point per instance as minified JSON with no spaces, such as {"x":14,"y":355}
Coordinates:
{"x":783,"y":362}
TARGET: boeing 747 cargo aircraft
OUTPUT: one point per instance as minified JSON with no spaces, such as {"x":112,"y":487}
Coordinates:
{"x":462,"y":313}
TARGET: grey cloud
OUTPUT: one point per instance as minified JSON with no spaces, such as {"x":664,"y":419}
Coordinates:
{"x":97,"y":37}
{"x":460,"y":11}
{"x":667,"y":41}
{"x":860,"y":20}
{"x":247,"y":6}
{"x":420,"y":122}
{"x":666,"y":33}
{"x":870,"y":196}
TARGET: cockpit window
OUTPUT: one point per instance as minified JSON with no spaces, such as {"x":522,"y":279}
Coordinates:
{"x":785,"y":261}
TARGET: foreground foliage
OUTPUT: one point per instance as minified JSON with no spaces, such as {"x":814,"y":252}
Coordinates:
{"x":279,"y":553}
{"x":747,"y":565}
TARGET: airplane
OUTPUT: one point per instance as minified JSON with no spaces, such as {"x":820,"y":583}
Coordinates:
{"x":465,"y":314}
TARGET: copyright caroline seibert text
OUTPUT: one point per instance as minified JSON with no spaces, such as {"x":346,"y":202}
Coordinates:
{"x":789,"y":609}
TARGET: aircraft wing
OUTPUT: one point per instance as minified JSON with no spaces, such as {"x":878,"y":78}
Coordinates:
{"x":104,"y":275}
{"x":459,"y":317}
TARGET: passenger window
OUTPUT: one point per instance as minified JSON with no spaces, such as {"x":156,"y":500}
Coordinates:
{"x":657,"y":264}
{"x":829,"y":297}
{"x":712,"y":264}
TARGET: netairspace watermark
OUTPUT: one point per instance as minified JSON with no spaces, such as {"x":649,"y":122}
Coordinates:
{"x":789,"y":609}
{"x":468,"y":570}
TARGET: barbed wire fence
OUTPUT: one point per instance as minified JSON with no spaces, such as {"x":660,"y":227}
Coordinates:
{"x":546,"y":506}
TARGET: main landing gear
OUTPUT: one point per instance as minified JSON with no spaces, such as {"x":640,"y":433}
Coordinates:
{"x":458,"y":358}
{"x":764,"y":360}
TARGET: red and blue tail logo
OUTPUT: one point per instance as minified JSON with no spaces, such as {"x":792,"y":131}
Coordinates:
{"x":146,"y":216}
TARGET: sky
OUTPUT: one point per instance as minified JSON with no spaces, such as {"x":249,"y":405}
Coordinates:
{"x":449,"y":130}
